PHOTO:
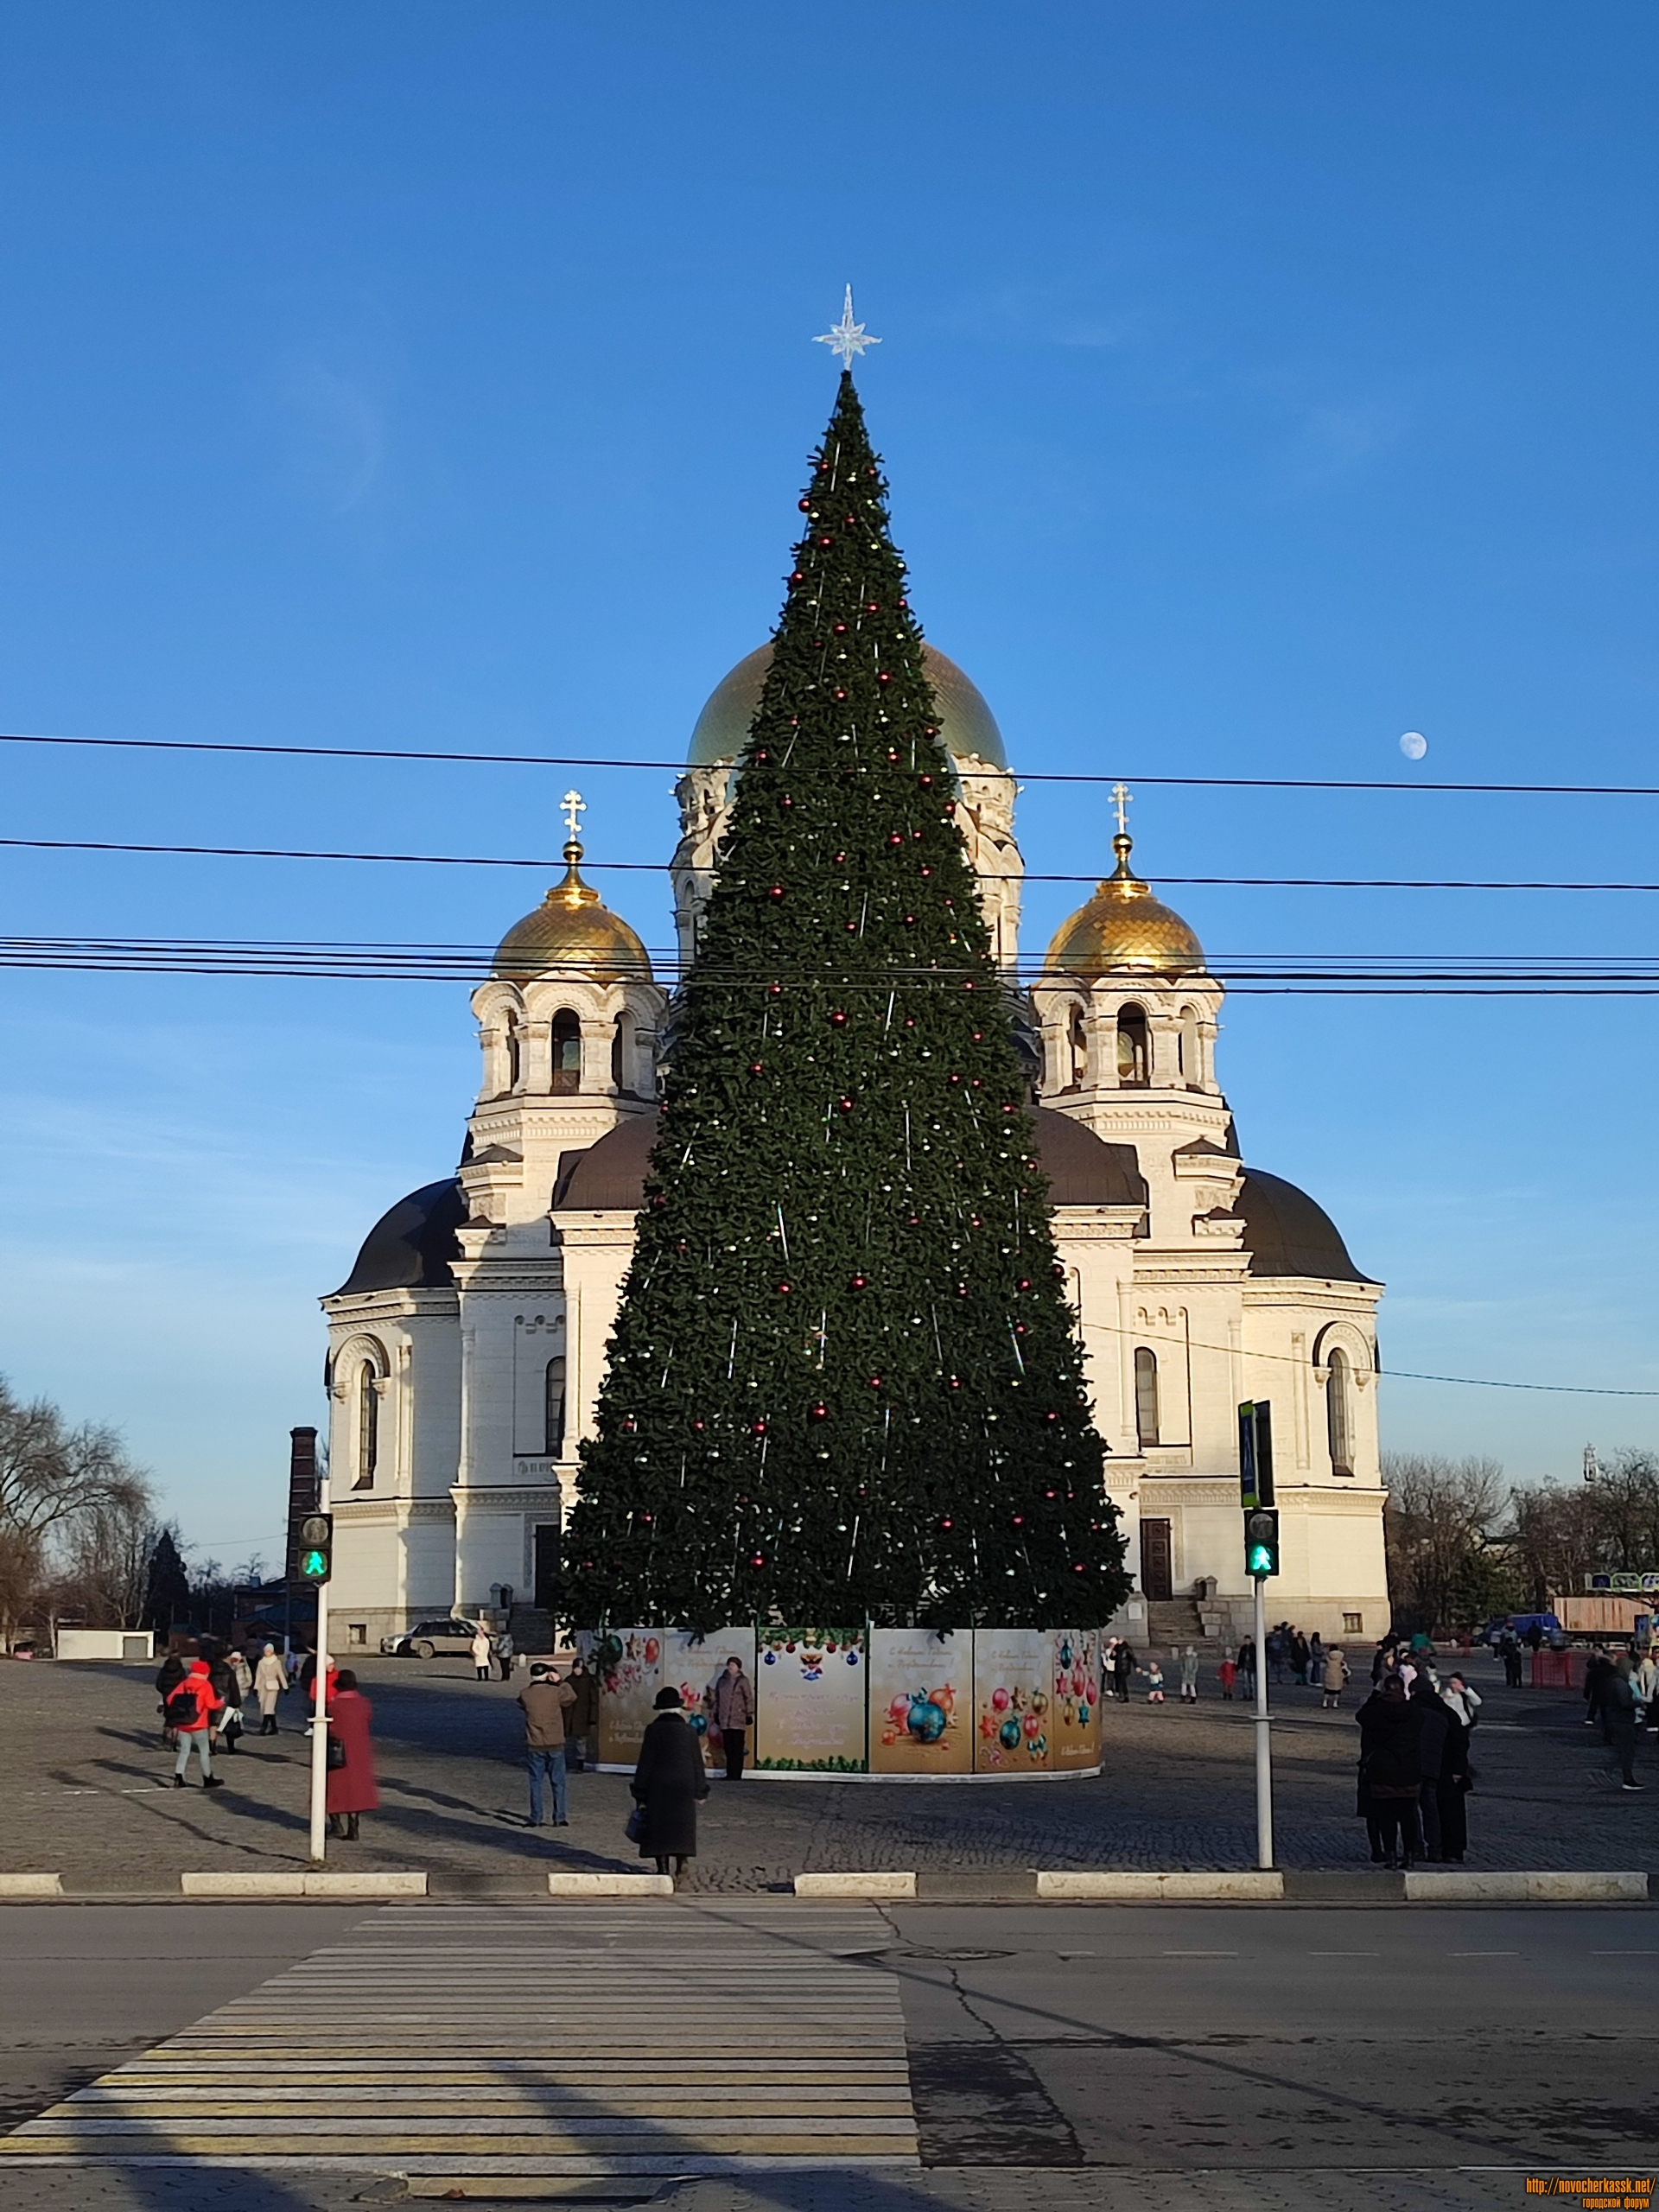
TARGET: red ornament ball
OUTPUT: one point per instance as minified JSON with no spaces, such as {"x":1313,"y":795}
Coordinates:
{"x":776,"y":893}
{"x":845,"y":1104}
{"x":838,"y":1019}
{"x":757,"y":1067}
{"x":858,"y":1283}
{"x":785,"y":1289}
{"x":819,"y":1412}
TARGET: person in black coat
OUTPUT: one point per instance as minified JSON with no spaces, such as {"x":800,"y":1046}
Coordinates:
{"x":1435,"y":1722}
{"x":1391,"y":1770}
{"x":1456,"y":1780}
{"x":667,"y":1784}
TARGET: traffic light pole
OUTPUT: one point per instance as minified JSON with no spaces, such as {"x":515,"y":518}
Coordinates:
{"x":1264,"y":1727}
{"x":320,"y":1710}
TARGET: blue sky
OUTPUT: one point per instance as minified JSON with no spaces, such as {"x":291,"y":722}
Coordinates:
{"x":1259,"y":383}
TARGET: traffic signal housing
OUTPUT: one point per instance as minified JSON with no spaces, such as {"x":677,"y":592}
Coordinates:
{"x":315,"y":1553}
{"x":1262,"y":1543}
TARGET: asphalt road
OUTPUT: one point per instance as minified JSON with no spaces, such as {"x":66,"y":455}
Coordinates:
{"x":1058,"y":2054}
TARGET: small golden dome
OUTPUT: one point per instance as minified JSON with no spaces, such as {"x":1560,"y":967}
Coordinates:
{"x":572,"y":929}
{"x":1123,"y":927}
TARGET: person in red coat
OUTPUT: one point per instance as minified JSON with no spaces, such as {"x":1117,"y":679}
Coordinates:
{"x":350,"y":1787}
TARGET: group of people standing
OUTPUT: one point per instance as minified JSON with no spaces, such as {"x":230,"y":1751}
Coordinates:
{"x":205,"y":1698}
{"x":1414,"y":1772}
{"x":1312,"y":1662}
{"x":1619,"y":1696}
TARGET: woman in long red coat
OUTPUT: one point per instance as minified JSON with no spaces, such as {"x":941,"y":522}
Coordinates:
{"x":350,"y":1787}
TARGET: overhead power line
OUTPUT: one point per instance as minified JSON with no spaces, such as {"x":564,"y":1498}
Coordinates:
{"x":1343,"y":975}
{"x":661,"y":868}
{"x":679,"y":767}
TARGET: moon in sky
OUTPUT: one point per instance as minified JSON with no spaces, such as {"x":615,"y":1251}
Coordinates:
{"x":1414,"y":745}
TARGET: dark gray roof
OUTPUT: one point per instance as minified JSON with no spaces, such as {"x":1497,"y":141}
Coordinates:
{"x":1083,"y":1169}
{"x":1286,"y":1233}
{"x":411,"y":1247}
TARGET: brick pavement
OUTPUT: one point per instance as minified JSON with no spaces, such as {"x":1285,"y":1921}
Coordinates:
{"x":88,"y":1795}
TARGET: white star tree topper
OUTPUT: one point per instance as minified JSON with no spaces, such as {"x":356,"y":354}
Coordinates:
{"x":848,"y":338}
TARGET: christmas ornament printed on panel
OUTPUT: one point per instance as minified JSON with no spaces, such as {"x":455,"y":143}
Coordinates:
{"x":811,"y":1690}
{"x":921,"y":1687}
{"x":628,"y":1662}
{"x":1013,"y":1702}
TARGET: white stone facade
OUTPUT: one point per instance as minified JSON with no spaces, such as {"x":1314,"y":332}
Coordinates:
{"x":466,"y":1350}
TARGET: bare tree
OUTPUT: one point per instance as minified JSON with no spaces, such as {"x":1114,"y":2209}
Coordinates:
{"x":1446,"y":1552}
{"x":55,"y":1481}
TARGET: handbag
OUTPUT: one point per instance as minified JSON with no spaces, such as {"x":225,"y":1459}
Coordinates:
{"x":336,"y":1753}
{"x":635,"y":1830}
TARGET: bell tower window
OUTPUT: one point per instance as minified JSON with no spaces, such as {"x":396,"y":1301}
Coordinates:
{"x":1339,"y":1414}
{"x":368,"y":1425}
{"x":1132,"y":1060}
{"x":1077,"y":1050}
{"x":567,"y":1051}
{"x":1146,"y":1396}
{"x":515,"y":1052}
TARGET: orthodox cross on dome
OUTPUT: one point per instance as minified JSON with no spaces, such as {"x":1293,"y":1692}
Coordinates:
{"x":848,"y":337}
{"x":574,"y":807}
{"x":1121,"y":801}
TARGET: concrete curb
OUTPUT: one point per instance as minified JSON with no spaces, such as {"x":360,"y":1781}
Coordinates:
{"x":856,"y":1885}
{"x":1163,"y":1889}
{"x":610,"y":1886}
{"x":1454,"y":1888}
{"x":302,"y":1886}
{"x":31,"y":1885}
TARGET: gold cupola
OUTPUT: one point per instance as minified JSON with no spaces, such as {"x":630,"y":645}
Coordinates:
{"x":572,"y":928}
{"x":1124,"y":930}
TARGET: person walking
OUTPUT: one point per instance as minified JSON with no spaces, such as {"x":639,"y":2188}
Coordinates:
{"x":1437,"y":1719}
{"x":483,"y":1651}
{"x":1123,"y":1667}
{"x":1597,"y":1667}
{"x":1190,"y":1675}
{"x":581,"y":1720}
{"x":1276,"y":1648}
{"x":191,"y":1711}
{"x":734,"y":1712}
{"x":351,"y":1790}
{"x":171,"y":1672}
{"x":1333,"y":1679}
{"x":1227,"y":1675}
{"x":1247,"y":1668}
{"x":1300,"y":1657}
{"x":1619,"y":1718}
{"x":234,"y":1721}
{"x":1646,"y":1680}
{"x":668,"y":1782}
{"x":1154,"y":1675}
{"x":505,"y":1649}
{"x":545,"y":1702}
{"x":270,"y":1681}
{"x":1390,"y":1771}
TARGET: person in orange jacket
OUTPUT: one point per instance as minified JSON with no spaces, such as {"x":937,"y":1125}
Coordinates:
{"x":191,"y":1709}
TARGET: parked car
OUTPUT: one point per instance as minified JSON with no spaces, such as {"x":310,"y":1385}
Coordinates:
{"x":427,"y":1639}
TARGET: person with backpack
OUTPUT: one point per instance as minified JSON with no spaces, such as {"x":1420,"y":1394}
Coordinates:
{"x":191,"y":1709}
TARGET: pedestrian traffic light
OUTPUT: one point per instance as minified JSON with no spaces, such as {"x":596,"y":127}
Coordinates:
{"x":1262,"y":1543}
{"x":1254,"y":1453}
{"x":316,"y":1548}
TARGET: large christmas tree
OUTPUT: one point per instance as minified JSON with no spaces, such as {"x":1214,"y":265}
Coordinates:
{"x":844,"y":1382}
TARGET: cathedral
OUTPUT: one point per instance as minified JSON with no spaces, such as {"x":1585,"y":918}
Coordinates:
{"x":466,"y":1344}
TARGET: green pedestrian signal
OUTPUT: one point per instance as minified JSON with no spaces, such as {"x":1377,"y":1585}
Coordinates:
{"x":316,"y":1556}
{"x":1261,"y":1544}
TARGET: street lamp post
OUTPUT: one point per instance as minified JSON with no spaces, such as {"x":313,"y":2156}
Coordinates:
{"x":316,"y":1564}
{"x":1263,"y":1734}
{"x":1261,"y":1559}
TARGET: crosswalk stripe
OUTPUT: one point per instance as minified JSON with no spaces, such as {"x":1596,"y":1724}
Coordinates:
{"x":660,"y":2040}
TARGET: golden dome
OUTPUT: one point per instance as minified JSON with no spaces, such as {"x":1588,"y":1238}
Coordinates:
{"x":572,"y":929}
{"x":1123,"y":927}
{"x":966,"y":724}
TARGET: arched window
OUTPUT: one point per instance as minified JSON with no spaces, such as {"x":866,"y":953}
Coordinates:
{"x":554,"y":1408}
{"x":621,"y":1038}
{"x":1078,"y":1048}
{"x":1132,"y":1048}
{"x":567,"y":1051}
{"x":368,"y":1425}
{"x":514,"y":1051}
{"x":1339,"y":1414}
{"x":1146,"y":1396}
